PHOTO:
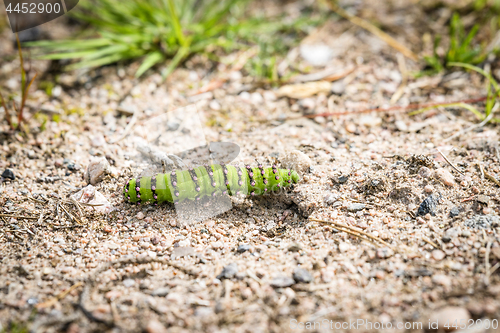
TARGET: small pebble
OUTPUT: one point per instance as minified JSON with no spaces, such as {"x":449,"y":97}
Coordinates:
{"x":96,"y":170}
{"x":300,"y":275}
{"x":8,"y":174}
{"x":438,"y":255}
{"x":282,"y":282}
{"x":455,"y":211}
{"x":356,"y":207}
{"x":425,"y":172}
{"x":428,"y":206}
{"x":243,"y":248}
{"x":228,"y":272}
{"x":442,"y":280}
{"x":160,"y":292}
{"x":428,"y":188}
{"x":128,"y":283}
{"x":295,"y":247}
{"x":444,"y":176}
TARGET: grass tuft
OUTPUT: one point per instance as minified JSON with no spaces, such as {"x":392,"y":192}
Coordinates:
{"x":158,"y":31}
{"x":461,"y":49}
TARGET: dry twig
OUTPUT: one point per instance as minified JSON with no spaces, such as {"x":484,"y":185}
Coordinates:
{"x":451,"y":164}
{"x":354,"y":231}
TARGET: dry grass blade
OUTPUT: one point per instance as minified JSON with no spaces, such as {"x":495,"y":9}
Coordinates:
{"x":490,"y":177}
{"x":451,"y":164}
{"x":373,"y":29}
{"x":54,"y":300}
{"x":70,"y":215}
{"x":428,"y":241}
{"x":353,"y":231}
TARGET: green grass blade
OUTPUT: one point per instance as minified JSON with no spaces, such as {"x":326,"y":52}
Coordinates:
{"x":469,"y":107}
{"x":151,"y":60}
{"x":480,"y":71}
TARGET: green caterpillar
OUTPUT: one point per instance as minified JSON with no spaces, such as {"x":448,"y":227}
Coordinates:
{"x":207,"y":180}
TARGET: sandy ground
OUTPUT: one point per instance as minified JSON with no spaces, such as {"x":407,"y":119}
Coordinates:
{"x":264,"y":265}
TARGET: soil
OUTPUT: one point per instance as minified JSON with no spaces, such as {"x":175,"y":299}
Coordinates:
{"x":264,"y":265}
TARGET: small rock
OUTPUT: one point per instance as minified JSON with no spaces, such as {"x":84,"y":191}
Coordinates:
{"x":449,"y":314}
{"x":401,"y":126}
{"x":330,"y":199}
{"x":444,"y":176}
{"x":74,"y":167}
{"x":96,"y":170}
{"x":8,"y":174}
{"x":442,"y":280}
{"x":203,"y":312}
{"x":112,"y":295}
{"x":338,"y":87}
{"x":256,"y":98}
{"x":344,"y":247}
{"x":356,"y":207}
{"x":370,"y":121}
{"x":243,"y":248}
{"x":307,"y":103}
{"x":31,"y":155}
{"x":214,"y":105}
{"x":455,"y":211}
{"x":438,"y":255}
{"x":228,"y":272}
{"x":128,"y":283}
{"x":282,"y":282}
{"x":154,"y":326}
{"x":160,"y":292}
{"x":429,"y":188}
{"x":483,"y":199}
{"x":351,"y":128}
{"x":428,"y":206}
{"x":140,"y":215}
{"x":425,"y":172}
{"x":300,"y":275}
{"x":343,"y":179}
{"x":295,"y":247}
{"x":298,"y":161}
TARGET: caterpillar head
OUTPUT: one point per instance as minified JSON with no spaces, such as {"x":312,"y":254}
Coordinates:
{"x":295,"y":177}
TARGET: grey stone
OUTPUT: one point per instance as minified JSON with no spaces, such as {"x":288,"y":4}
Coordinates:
{"x":160,"y":292}
{"x":8,"y":174}
{"x":243,"y":248}
{"x":282,"y":282}
{"x":228,"y":272}
{"x":356,"y":207}
{"x":302,"y":275}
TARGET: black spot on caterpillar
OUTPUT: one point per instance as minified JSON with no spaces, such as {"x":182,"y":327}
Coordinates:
{"x":207,"y":180}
